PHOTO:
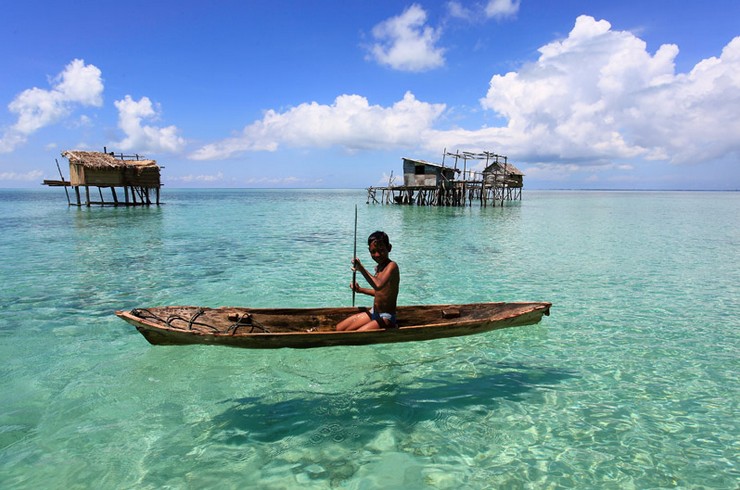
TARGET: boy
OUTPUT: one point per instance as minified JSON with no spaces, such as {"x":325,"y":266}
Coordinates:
{"x":383,"y":286}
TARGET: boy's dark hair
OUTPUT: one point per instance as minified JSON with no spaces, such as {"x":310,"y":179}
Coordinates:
{"x":380,"y":236}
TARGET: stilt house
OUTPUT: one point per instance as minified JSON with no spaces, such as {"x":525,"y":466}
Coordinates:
{"x":138,"y":177}
{"x":503,"y":173}
{"x":432,"y":184}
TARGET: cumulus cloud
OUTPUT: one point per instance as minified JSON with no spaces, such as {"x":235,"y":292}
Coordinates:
{"x":77,"y":85}
{"x":350,"y":122}
{"x":599,"y":95}
{"x":406,"y":43}
{"x":595,"y":99}
{"x":140,"y":137}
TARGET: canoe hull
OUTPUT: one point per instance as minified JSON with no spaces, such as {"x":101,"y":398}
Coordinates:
{"x":309,"y":328}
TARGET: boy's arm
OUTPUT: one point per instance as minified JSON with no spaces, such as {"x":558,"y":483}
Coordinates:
{"x":368,"y":291}
{"x":354,"y":286}
{"x":380,"y":280}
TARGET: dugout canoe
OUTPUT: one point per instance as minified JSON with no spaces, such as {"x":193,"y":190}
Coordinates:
{"x":261,"y":328}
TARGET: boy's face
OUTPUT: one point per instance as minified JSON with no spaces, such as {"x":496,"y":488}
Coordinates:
{"x":378,"y":251}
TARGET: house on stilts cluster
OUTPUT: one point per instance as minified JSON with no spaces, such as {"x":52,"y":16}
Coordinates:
{"x":485,"y":178}
{"x":138,"y":178}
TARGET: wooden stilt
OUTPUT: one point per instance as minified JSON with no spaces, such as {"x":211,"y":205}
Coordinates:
{"x":62,"y":177}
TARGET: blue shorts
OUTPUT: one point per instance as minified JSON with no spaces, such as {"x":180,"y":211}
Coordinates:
{"x":383,"y":319}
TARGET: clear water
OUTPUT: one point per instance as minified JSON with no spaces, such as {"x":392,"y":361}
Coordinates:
{"x":632,"y":382}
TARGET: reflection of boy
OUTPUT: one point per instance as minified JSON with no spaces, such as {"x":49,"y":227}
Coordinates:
{"x":383,"y":286}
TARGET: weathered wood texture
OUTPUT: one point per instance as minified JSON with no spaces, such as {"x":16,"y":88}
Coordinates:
{"x":315,"y":327}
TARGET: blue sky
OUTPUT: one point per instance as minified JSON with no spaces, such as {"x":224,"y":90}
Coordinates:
{"x":578,"y":94}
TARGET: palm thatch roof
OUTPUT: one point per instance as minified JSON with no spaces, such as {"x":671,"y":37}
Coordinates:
{"x":507,"y":168}
{"x":100,"y":160}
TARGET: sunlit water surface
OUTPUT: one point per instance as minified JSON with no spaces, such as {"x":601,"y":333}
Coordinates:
{"x":632,"y":382}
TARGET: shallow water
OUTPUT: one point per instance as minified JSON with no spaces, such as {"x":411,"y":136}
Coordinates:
{"x":632,"y":382}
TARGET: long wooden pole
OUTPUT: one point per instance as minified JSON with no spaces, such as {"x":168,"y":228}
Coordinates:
{"x":65,"y":186}
{"x":354,"y":256}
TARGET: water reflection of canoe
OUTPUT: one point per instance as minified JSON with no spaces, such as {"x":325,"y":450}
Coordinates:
{"x":261,"y":328}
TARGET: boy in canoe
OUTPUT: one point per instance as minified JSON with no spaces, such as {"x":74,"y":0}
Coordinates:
{"x":383,"y":286}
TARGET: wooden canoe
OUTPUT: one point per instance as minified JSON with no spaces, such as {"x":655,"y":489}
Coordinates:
{"x":261,"y":328}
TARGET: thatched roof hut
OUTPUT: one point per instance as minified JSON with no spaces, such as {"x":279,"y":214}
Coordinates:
{"x":105,"y":170}
{"x":505,"y":173}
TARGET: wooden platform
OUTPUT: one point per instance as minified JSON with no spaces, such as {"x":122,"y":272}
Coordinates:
{"x":132,"y":195}
{"x":457,"y":184}
{"x":459,"y":194}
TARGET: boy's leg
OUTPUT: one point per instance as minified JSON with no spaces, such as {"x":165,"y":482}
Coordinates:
{"x":381,"y":321}
{"x":354,"y":322}
{"x":371,"y":325}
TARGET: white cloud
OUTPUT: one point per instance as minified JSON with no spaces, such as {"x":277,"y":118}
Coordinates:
{"x":198,"y":178}
{"x":598,"y":95}
{"x":11,"y":140}
{"x":502,"y":8}
{"x":140,"y":137}
{"x":252,"y":181}
{"x":564,"y":172}
{"x":458,"y":10}
{"x":33,"y":175}
{"x":273,"y":181}
{"x":595,"y":99}
{"x":406,"y":43}
{"x":79,"y":84}
{"x":350,"y":122}
{"x":496,"y":9}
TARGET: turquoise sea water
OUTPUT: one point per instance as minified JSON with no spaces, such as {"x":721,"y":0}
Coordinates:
{"x":632,"y":382}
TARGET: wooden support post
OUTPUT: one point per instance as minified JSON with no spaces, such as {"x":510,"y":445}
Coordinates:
{"x":115,"y":197}
{"x":87,"y":195}
{"x":65,"y":186}
{"x":77,"y":192}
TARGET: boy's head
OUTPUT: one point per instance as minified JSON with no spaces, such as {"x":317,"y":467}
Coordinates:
{"x":380,"y":237}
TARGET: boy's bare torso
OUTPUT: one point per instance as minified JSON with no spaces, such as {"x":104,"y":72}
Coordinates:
{"x":386,"y":297}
